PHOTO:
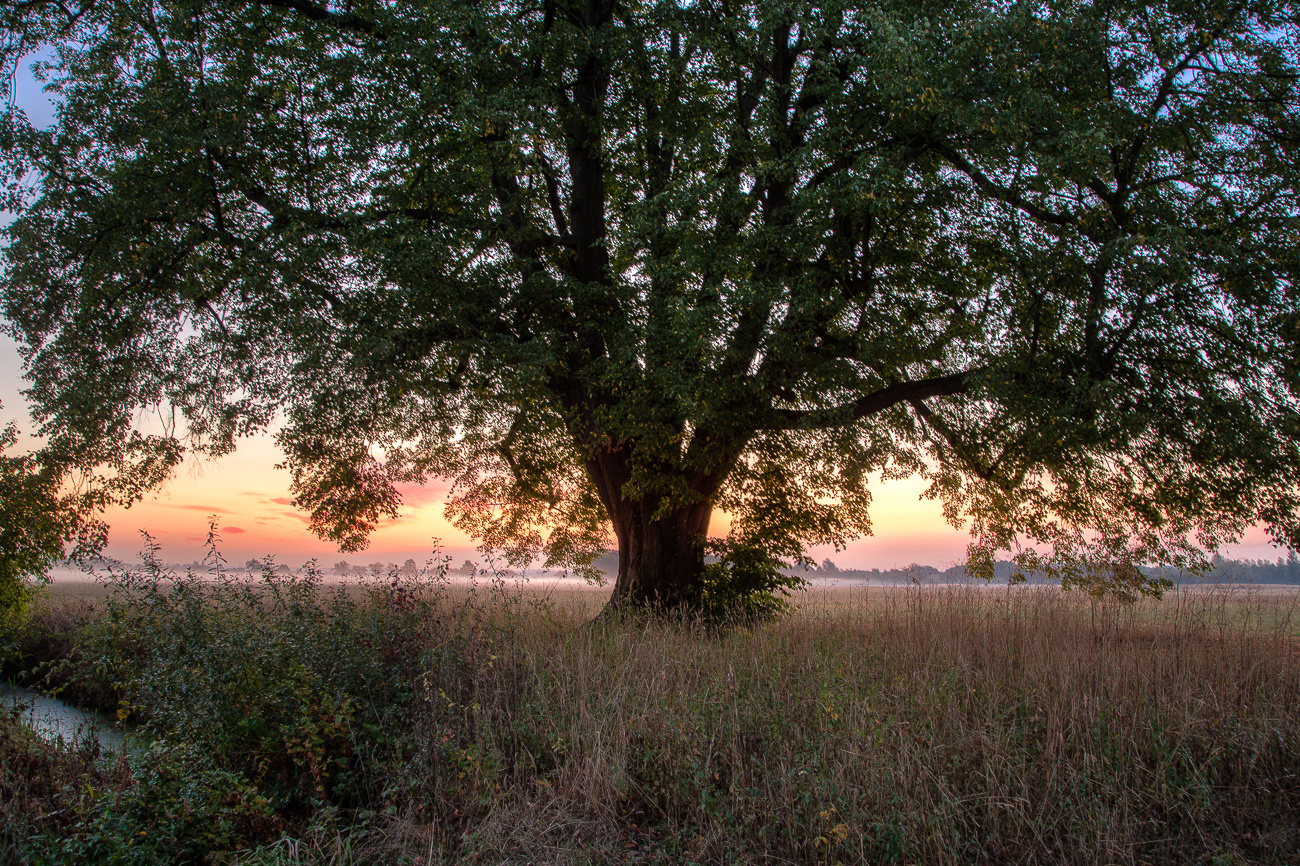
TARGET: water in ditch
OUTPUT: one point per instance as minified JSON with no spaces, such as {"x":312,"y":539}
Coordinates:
{"x":57,"y":721}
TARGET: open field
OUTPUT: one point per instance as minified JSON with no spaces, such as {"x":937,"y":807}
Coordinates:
{"x":427,"y":723}
{"x":69,"y":583}
{"x":1267,"y":607}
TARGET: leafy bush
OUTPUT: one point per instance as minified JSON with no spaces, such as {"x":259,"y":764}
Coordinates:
{"x":40,"y":647}
{"x":268,"y":703}
{"x":291,"y":685}
{"x":746,"y":582}
{"x":179,"y":808}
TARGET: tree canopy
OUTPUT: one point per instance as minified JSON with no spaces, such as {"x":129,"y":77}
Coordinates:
{"x":611,"y":266}
{"x":39,"y":522}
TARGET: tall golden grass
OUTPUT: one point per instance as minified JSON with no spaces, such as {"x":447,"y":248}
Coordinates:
{"x":941,"y":724}
{"x":926,"y":725}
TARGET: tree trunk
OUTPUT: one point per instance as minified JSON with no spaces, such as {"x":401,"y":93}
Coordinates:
{"x":660,"y":562}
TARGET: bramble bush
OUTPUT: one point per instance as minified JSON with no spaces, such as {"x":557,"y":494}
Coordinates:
{"x":270,"y":701}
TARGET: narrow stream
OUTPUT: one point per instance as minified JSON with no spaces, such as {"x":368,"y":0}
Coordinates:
{"x":57,"y":721}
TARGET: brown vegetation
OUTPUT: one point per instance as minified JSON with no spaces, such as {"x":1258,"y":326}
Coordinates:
{"x":921,"y":725}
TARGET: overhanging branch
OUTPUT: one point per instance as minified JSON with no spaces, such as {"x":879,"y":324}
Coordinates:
{"x":345,"y":21}
{"x":870,"y":404}
{"x":1002,"y":194}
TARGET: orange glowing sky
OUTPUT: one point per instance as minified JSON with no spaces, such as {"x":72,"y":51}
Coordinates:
{"x":251,"y":501}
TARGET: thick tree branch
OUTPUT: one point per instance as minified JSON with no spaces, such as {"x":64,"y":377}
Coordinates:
{"x":871,"y":404}
{"x":949,"y":436}
{"x":1002,"y":194}
{"x":284,"y":213}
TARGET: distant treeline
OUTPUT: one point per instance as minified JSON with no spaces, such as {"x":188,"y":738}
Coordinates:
{"x":1283,"y":571}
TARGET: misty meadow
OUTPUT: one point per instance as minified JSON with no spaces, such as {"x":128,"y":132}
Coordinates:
{"x":680,"y":283}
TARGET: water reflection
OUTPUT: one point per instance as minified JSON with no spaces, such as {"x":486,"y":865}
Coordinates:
{"x":57,"y":721}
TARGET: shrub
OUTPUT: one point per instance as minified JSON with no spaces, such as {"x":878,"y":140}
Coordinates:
{"x":745,"y":583}
{"x":178,"y":808}
{"x":292,"y":686}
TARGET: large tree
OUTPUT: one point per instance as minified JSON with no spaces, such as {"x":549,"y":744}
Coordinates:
{"x":612,"y":266}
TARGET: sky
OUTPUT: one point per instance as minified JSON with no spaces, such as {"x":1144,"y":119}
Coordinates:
{"x":250,"y":498}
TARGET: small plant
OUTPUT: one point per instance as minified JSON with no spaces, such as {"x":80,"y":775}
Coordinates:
{"x":745,"y":583}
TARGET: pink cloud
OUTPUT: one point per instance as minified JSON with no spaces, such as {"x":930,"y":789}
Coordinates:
{"x":280,"y":500}
{"x":234,"y":530}
{"x":435,"y":490}
{"x":208,"y":508}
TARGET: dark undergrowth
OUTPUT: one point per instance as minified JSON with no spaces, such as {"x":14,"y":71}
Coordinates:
{"x":285,"y":721}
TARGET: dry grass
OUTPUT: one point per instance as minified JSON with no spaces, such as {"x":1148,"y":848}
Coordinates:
{"x":916,"y":725}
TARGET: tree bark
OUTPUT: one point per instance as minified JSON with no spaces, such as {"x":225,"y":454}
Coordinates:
{"x":660,"y":562}
{"x":660,"y":550}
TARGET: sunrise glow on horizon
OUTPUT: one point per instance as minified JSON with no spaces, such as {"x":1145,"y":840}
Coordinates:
{"x":255,"y":515}
{"x":250,"y":499}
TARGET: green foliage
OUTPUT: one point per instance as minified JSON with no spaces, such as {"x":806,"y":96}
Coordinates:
{"x":31,"y":528}
{"x":291,"y":686}
{"x":269,"y":703}
{"x":179,"y":809}
{"x":608,"y":267}
{"x":1098,"y":571}
{"x":38,"y":523}
{"x":745,"y":582}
